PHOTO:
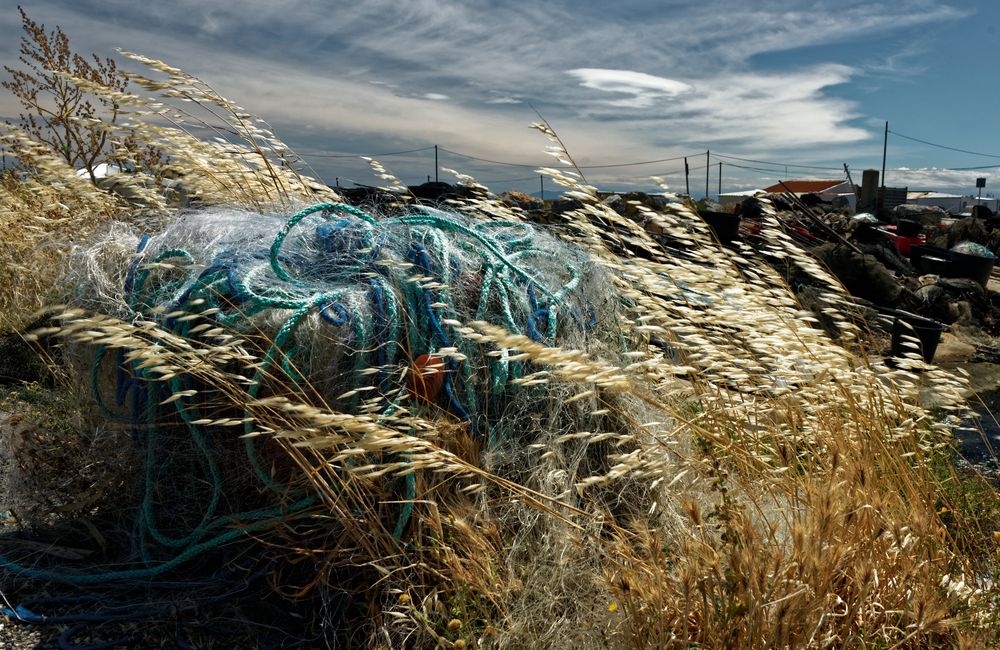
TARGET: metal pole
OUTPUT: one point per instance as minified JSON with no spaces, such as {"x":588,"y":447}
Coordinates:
{"x":795,"y":200}
{"x":687,"y":177}
{"x":708,"y":168}
{"x":720,"y":179}
{"x":435,"y":164}
{"x":885,"y":146}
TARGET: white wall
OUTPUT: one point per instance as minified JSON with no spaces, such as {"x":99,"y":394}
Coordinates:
{"x":968,"y":202}
{"x":952,"y":204}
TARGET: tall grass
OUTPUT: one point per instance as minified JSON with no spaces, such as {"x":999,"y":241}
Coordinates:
{"x":744,"y":480}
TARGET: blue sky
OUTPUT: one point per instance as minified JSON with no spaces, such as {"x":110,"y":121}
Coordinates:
{"x":785,"y":81}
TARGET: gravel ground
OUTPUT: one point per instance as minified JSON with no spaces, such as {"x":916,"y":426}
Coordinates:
{"x":13,"y":636}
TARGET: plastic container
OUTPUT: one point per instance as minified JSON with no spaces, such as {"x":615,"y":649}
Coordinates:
{"x":927,"y":331}
{"x":905,"y":244}
{"x":935,"y":265}
{"x":961,"y":265}
{"x":725,"y":225}
{"x":918,"y":251}
{"x":908,"y":228}
{"x":971,"y":266}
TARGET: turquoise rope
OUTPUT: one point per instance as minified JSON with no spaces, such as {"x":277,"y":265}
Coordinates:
{"x":241,"y":289}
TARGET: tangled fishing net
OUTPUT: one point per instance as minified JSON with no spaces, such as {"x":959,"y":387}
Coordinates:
{"x":203,"y":331}
{"x":973,"y":248}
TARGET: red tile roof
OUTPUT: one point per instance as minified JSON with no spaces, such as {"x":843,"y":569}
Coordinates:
{"x":803,"y":187}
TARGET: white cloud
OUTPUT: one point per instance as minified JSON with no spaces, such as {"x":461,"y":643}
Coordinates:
{"x":649,"y":80}
{"x":784,"y":110}
{"x":952,"y":179}
{"x":503,"y":100}
{"x":644,"y":88}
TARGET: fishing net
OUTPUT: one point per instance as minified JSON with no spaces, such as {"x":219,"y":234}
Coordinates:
{"x":201,"y":323}
{"x":972,"y":248}
{"x":349,"y":303}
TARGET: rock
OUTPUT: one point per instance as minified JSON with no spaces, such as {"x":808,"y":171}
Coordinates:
{"x":960,"y":312}
{"x":930,"y":294}
{"x":953,"y":349}
{"x":434,"y":191}
{"x":752,"y":208}
{"x":812,"y":200}
{"x":361,"y":195}
{"x":981,"y":212}
{"x":960,"y":286}
{"x":841,"y":203}
{"x":926,"y":215}
{"x":654,"y":201}
{"x":709,"y":204}
{"x":566,"y":205}
{"x":616,"y":203}
{"x":522,"y":200}
{"x":884,"y":251}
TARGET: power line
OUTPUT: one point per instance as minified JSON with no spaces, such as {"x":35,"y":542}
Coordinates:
{"x":487,"y":160}
{"x":636,"y":164}
{"x":370,"y":155}
{"x":942,"y":146}
{"x":756,"y":169}
{"x":776,"y":164}
{"x":969,"y":169}
{"x":601,"y":166}
{"x":940,"y":169}
{"x":605,"y":166}
{"x":509,"y":180}
{"x":727,"y":157}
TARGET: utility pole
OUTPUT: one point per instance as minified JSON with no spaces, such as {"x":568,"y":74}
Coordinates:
{"x":885,"y":147}
{"x":854,"y":188}
{"x":541,"y":186}
{"x":338,"y":182}
{"x":708,"y":168}
{"x":687,"y":177}
{"x":435,"y":164}
{"x":720,"y":179}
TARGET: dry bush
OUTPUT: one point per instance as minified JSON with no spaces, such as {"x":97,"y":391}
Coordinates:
{"x":180,"y":145}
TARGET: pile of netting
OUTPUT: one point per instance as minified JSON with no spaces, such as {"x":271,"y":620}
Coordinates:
{"x":332,"y":306}
{"x":351,"y":305}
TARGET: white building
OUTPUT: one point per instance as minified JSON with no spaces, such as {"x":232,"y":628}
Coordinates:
{"x":969,"y":202}
{"x":731,"y":198}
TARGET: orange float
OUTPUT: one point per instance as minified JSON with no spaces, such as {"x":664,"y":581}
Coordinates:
{"x":426,"y":378}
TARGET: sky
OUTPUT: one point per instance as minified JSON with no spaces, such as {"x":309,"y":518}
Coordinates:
{"x":772,"y":89}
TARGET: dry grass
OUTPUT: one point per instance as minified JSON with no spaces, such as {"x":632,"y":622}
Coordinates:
{"x":742,"y":481}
